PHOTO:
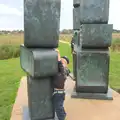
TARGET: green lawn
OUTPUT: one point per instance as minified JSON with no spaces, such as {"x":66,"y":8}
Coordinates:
{"x":11,"y":73}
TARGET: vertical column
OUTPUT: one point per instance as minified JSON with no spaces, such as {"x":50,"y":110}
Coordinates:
{"x":38,"y":57}
{"x":76,"y":29}
{"x":93,"y":57}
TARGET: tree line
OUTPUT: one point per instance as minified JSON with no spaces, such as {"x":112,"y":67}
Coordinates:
{"x":64,"y":31}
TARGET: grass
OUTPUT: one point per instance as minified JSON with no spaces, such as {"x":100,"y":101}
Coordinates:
{"x":10,"y":75}
{"x":10,"y":39}
{"x":17,"y":39}
{"x":9,"y":51}
{"x":115,"y":70}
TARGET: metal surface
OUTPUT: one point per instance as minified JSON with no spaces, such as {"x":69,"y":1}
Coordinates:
{"x":39,"y":62}
{"x":74,"y":65}
{"x":92,"y":71}
{"x":26,"y":114}
{"x":96,"y":96}
{"x":76,"y":3}
{"x":40,"y":98}
{"x":76,"y":18}
{"x":41,"y":23}
{"x":94,"y":11}
{"x":96,"y":35}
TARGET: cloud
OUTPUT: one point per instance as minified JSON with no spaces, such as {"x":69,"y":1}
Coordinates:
{"x":5,"y":10}
{"x":66,"y":20}
{"x":21,"y":6}
{"x":114,"y":17}
{"x":11,"y":14}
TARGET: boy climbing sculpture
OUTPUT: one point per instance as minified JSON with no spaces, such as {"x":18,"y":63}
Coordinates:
{"x":58,"y":84}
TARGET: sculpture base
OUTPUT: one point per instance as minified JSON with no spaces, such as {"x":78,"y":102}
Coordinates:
{"x":26,"y":114}
{"x":97,"y":96}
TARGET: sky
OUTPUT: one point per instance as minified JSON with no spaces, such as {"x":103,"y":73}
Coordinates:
{"x":11,"y":14}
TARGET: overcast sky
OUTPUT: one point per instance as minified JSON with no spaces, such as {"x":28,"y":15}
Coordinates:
{"x":11,"y":14}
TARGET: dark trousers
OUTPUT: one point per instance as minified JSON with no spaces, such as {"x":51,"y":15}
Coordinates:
{"x":58,"y":101}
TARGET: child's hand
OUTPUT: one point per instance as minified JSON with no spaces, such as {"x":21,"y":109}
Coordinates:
{"x":59,"y":57}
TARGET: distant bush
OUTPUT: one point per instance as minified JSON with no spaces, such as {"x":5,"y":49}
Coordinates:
{"x":9,"y":51}
{"x":115,"y":45}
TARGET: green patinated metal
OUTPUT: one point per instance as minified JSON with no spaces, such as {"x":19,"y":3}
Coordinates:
{"x":94,"y":11}
{"x":76,"y":18}
{"x":38,"y":57}
{"x":40,"y":98}
{"x":96,"y":35}
{"x":92,"y":70}
{"x":91,"y":58}
{"x":76,"y":3}
{"x":41,"y":23}
{"x":39,"y":62}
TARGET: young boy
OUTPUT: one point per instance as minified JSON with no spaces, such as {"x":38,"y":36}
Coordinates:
{"x":58,"y":84}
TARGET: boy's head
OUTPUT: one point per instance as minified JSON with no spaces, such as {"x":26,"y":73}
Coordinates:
{"x":65,"y":60}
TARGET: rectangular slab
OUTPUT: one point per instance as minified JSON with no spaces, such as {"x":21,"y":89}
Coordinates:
{"x":40,"y":98}
{"x":41,"y":23}
{"x":39,"y":62}
{"x":76,"y":18}
{"x":76,"y":3}
{"x":96,"y":35}
{"x":92,"y":71}
{"x":94,"y":11}
{"x":75,"y":65}
{"x":96,"y":96}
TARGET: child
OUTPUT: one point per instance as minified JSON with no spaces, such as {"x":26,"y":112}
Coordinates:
{"x":58,"y":84}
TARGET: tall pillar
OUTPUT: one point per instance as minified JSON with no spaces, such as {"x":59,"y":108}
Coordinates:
{"x":76,"y":29}
{"x":38,"y":58}
{"x":93,"y":58}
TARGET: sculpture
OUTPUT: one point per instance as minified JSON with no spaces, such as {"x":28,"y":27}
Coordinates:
{"x":92,"y":53}
{"x":38,"y":57}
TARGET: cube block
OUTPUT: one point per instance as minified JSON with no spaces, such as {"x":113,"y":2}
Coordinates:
{"x":92,"y":71}
{"x":96,"y":35}
{"x":40,"y":98}
{"x":39,"y":62}
{"x":94,"y":11}
{"x":41,"y":23}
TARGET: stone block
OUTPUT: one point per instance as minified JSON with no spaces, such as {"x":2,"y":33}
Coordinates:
{"x":40,"y":98}
{"x":76,"y":18}
{"x":39,"y":62}
{"x":92,"y":71}
{"x":76,"y":3}
{"x":96,"y":35}
{"x":94,"y":11}
{"x":41,"y":23}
